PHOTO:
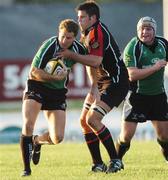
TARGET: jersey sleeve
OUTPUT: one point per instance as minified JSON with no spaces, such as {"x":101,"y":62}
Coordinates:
{"x":79,"y":48}
{"x":129,"y":55}
{"x":96,"y":43}
{"x":36,"y":59}
{"x":166,"y":43}
{"x":83,"y":50}
{"x":42,"y":53}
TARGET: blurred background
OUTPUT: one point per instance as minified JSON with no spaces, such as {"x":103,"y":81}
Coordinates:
{"x":25,"y":24}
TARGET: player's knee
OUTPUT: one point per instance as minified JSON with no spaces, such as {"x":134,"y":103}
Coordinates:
{"x":91,"y":122}
{"x":27,"y":128}
{"x":83,"y":123}
{"x":95,"y":115}
{"x":57,"y":139}
{"x":125,"y":137}
{"x":85,"y":128}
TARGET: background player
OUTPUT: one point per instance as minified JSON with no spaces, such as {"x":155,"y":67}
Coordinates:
{"x":145,"y":57}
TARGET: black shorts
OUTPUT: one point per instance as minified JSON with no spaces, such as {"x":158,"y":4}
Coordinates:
{"x":113,"y":95}
{"x":140,"y":108}
{"x":51,"y":99}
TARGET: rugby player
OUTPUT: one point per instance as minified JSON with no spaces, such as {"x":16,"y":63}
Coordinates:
{"x":145,"y":56}
{"x":47,"y":92}
{"x":109,"y":84}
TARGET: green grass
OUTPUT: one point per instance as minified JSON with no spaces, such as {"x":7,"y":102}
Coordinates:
{"x":75,"y":104}
{"x":71,"y":161}
{"x":17,"y":105}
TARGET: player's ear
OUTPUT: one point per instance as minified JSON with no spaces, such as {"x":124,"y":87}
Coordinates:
{"x":93,"y":17}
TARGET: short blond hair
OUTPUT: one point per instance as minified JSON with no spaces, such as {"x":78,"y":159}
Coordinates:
{"x":70,"y":26}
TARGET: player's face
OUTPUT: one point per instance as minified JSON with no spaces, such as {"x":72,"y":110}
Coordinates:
{"x":65,"y":38}
{"x":84,"y":20}
{"x":146,"y":34}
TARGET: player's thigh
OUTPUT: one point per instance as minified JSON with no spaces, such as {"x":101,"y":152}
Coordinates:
{"x":97,"y":111}
{"x":30,"y":111}
{"x":56,"y":121}
{"x":83,"y":122}
{"x":89,"y":98}
{"x":127,"y":131}
{"x":161,"y":128}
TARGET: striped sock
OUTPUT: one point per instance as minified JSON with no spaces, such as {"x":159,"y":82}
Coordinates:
{"x":93,"y":146}
{"x":107,"y":140}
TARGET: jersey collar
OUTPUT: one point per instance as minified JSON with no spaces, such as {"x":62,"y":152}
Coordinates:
{"x":91,"y":27}
{"x":152,"y":46}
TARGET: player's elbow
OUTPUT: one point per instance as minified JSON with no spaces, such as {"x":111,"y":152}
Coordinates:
{"x":131,"y":78}
{"x":95,"y":64}
{"x":133,"y":74}
{"x":35,"y":74}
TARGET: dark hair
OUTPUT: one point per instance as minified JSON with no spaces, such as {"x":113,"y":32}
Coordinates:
{"x":69,"y":25}
{"x":90,"y":7}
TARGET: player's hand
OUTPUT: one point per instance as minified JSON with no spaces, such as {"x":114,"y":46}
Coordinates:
{"x":95,"y":93}
{"x":62,"y":74}
{"x":159,"y":65}
{"x":65,"y":53}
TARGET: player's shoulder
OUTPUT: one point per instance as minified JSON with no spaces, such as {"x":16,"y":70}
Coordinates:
{"x":131,"y":44}
{"x":134,"y":41}
{"x":78,"y":43}
{"x":162,"y":39}
{"x":79,"y":47}
{"x":50,"y":40}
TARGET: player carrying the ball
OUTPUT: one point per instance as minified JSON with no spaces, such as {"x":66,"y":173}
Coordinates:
{"x":46,"y":90}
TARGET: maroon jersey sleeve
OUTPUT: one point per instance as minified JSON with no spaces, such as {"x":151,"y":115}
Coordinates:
{"x":96,"y":42}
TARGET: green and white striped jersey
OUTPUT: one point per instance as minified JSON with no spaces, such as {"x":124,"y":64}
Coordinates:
{"x":137,"y":54}
{"x":47,"y":51}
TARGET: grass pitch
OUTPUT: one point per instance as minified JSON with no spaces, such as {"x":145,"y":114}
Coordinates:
{"x":71,"y":161}
{"x":17,"y":105}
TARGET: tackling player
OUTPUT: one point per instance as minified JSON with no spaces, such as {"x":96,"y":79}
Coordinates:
{"x":109,"y":84}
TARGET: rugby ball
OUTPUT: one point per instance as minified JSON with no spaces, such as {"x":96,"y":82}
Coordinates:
{"x":54,"y":66}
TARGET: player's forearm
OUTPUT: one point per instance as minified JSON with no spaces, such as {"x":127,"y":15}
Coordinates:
{"x":41,"y":75}
{"x":89,"y":60}
{"x":139,"y":74}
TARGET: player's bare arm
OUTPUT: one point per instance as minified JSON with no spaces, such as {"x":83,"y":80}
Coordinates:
{"x":41,"y":75}
{"x":89,"y":60}
{"x":138,"y":74}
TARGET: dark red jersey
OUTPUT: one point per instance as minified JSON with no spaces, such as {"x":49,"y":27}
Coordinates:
{"x":100,"y":42}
